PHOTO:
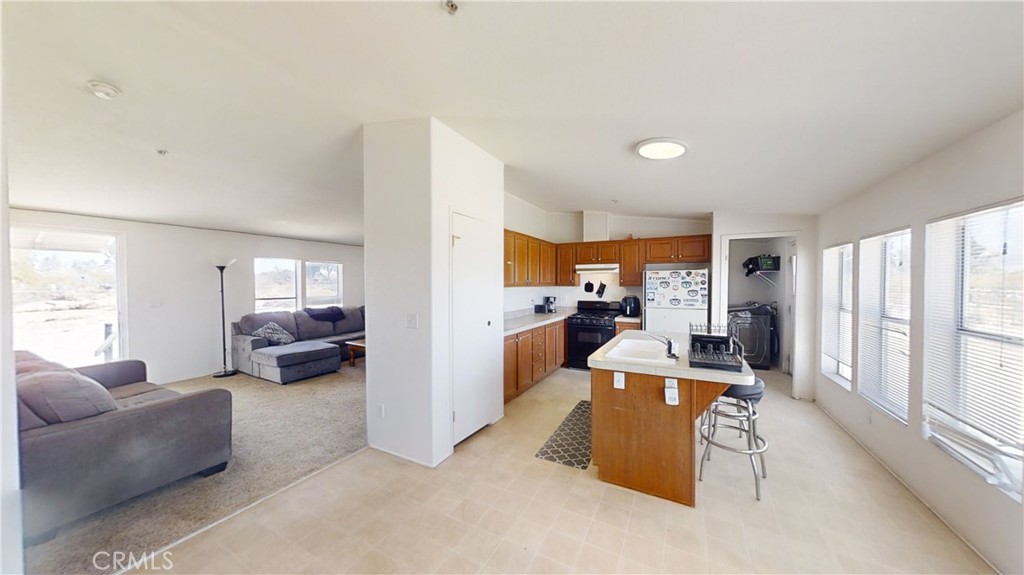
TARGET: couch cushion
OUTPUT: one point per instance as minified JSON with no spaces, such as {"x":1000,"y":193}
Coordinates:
{"x":27,"y":419}
{"x":147,"y":397}
{"x":35,"y":365}
{"x":341,"y":339}
{"x":60,"y":396}
{"x":310,"y":328}
{"x":132,"y":389}
{"x":293,"y":353}
{"x":25,"y":355}
{"x":274,"y":334}
{"x":251,"y":322}
{"x":353,"y":321}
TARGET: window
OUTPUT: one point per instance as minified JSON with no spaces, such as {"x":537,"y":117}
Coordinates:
{"x":323,"y":283}
{"x":278,"y":288}
{"x":883,"y":348}
{"x":973,"y":404}
{"x":837,"y":314}
{"x":276,"y":284}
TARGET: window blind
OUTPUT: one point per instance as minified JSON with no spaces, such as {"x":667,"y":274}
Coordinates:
{"x":974,"y":335}
{"x":837,"y":313}
{"x":883,"y":345}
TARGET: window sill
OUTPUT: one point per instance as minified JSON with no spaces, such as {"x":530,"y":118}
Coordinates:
{"x":839,"y":380}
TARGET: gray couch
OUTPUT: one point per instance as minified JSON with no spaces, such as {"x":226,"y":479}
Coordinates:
{"x":319,"y":346}
{"x":91,"y":442}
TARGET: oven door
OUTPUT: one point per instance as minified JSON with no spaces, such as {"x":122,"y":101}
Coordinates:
{"x":585,"y":340}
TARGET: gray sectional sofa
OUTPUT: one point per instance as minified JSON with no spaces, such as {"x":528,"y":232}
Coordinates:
{"x":95,"y":436}
{"x":319,"y":346}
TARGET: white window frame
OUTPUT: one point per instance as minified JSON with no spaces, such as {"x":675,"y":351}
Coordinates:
{"x":961,"y":432}
{"x":321,"y":301}
{"x":301,"y":299}
{"x":882,"y":335}
{"x":837,"y":304}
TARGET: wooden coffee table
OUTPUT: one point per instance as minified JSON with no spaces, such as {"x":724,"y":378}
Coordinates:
{"x":353,"y":345}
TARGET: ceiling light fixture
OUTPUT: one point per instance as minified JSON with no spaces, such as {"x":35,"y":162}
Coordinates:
{"x":661,"y":148}
{"x":102,"y":90}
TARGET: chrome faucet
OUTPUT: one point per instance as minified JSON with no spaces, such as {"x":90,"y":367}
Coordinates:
{"x":669,"y":344}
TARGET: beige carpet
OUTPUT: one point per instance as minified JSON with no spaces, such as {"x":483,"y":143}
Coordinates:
{"x":280,"y":434}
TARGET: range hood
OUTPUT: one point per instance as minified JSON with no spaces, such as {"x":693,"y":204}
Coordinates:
{"x":597,"y":268}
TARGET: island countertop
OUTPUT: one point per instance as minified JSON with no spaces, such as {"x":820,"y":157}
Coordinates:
{"x":681,"y":369}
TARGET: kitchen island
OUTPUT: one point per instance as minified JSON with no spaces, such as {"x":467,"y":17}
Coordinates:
{"x":640,"y":440}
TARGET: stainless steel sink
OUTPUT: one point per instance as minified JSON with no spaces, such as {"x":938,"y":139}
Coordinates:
{"x":640,"y":351}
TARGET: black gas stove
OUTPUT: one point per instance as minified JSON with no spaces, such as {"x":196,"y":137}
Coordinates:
{"x":592,"y":326}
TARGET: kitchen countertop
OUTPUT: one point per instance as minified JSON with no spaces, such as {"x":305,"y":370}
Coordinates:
{"x":534,"y":320}
{"x":680,"y":370}
{"x":624,"y":319}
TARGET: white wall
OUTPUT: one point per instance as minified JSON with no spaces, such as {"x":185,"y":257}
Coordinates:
{"x":519,"y":298}
{"x":173,"y":291}
{"x":567,"y":227}
{"x":743,"y":289}
{"x":734,"y":225}
{"x":563,"y":228}
{"x":622,"y":226}
{"x":982,"y":169}
{"x":11,"y":556}
{"x":415,"y":173}
{"x":466,"y":180}
{"x":524,"y":217}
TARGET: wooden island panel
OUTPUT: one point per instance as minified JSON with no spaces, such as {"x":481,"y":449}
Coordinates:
{"x":642,"y":443}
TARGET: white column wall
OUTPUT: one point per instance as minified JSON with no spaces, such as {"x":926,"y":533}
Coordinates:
{"x":983,"y":169}
{"x":467,"y":180}
{"x":173,"y":290}
{"x":11,"y":555}
{"x":416,"y":172}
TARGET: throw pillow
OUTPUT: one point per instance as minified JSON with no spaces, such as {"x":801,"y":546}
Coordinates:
{"x":274,"y":333}
{"x":61,"y":396}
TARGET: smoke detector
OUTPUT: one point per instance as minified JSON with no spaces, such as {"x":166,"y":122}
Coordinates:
{"x":103,"y":90}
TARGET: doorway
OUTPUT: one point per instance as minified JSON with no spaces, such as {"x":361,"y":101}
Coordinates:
{"x":66,"y":294}
{"x":762,"y":302}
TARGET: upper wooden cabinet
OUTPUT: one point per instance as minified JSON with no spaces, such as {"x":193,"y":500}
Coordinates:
{"x":597,"y":253}
{"x":529,"y":261}
{"x":548,"y":259}
{"x":510,"y":255}
{"x":565,"y":258}
{"x":631,"y":263}
{"x":680,"y":249}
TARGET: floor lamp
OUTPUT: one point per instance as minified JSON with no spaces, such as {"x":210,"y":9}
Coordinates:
{"x":221,"y":266}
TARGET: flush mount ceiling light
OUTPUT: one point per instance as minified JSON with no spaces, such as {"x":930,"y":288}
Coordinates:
{"x":103,"y":90}
{"x":661,"y":148}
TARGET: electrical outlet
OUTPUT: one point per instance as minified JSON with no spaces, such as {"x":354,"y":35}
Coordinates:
{"x":619,"y":380}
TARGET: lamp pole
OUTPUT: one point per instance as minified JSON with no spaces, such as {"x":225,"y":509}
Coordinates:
{"x":223,"y":329}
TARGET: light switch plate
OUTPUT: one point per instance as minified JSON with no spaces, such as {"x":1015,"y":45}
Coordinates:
{"x":671,"y":383}
{"x":619,"y":380}
{"x":412,"y":320}
{"x":671,"y":396}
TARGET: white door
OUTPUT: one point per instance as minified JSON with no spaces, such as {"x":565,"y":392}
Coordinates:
{"x":787,"y":319}
{"x":477,"y":326}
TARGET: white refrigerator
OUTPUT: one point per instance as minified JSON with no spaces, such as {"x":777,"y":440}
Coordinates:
{"x":675,"y":298}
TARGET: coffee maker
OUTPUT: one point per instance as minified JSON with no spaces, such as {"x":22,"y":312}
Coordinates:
{"x":549,"y":304}
{"x":547,"y":307}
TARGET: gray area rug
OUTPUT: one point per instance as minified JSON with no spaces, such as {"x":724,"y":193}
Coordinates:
{"x":570,"y":443}
{"x":280,"y":433}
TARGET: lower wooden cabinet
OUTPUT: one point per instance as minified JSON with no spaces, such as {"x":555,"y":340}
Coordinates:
{"x":511,"y":355}
{"x":532,"y":355}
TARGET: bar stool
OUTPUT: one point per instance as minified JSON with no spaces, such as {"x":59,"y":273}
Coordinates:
{"x":737,"y":404}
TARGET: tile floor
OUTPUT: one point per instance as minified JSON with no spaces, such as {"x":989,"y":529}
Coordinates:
{"x":492,"y":507}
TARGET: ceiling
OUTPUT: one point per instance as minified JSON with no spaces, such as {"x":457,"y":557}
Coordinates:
{"x":787,"y":107}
